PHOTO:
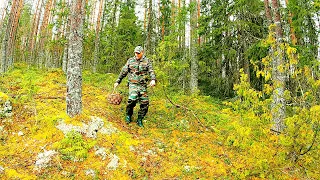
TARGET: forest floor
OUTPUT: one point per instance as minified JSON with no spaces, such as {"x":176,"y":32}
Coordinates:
{"x":190,"y":142}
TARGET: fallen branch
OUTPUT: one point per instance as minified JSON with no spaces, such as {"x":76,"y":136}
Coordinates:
{"x":38,"y":96}
{"x":49,"y":97}
{"x":185,"y":108}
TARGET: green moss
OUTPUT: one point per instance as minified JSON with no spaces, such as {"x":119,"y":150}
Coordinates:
{"x":74,"y":147}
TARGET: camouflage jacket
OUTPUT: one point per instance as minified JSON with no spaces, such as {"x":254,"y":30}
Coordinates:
{"x":139,"y":71}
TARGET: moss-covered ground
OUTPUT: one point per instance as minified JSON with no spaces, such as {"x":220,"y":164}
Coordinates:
{"x":200,"y":140}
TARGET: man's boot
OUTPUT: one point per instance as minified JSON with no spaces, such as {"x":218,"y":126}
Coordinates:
{"x":139,"y":121}
{"x":128,"y":119}
{"x":129,"y":110}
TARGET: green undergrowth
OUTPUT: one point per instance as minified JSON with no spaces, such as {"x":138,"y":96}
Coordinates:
{"x":185,"y":137}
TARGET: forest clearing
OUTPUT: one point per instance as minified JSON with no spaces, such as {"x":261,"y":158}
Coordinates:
{"x":211,"y":89}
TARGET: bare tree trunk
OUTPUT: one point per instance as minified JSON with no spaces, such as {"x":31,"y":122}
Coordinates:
{"x":223,"y":58}
{"x":292,"y":33}
{"x":44,"y":34}
{"x":278,"y":75}
{"x":4,"y":44}
{"x":65,"y":50}
{"x":12,"y":38}
{"x":35,"y":30}
{"x":4,"y":13}
{"x":9,"y":37}
{"x":145,"y":16}
{"x":198,"y":16}
{"x":318,"y":30}
{"x":193,"y":49}
{"x":74,"y":72}
{"x":223,"y":67}
{"x":182,"y":46}
{"x":97,"y":40}
{"x":150,"y":28}
{"x":267,"y":11}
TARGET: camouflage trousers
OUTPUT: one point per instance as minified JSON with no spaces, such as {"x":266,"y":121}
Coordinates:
{"x":138,"y":93}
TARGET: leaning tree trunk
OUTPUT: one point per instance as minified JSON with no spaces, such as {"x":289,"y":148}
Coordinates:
{"x":278,"y":75}
{"x":193,"y":49}
{"x":74,"y":74}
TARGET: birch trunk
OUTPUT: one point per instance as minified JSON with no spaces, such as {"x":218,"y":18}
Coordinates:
{"x":278,"y":75}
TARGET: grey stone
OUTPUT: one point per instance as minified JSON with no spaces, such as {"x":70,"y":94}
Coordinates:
{"x":114,"y":163}
{"x":43,"y":159}
{"x":101,"y":152}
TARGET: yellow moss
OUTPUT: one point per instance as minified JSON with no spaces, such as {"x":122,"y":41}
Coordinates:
{"x":13,"y":174}
{"x":3,"y":97}
{"x":174,"y":170}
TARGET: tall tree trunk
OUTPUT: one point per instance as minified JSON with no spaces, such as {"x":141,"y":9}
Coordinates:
{"x":12,"y":38}
{"x":74,"y":72}
{"x":318,"y":30}
{"x":149,"y":28}
{"x":66,"y":35}
{"x":114,"y":23}
{"x":35,"y":30}
{"x":44,"y":34}
{"x":4,"y":44}
{"x":97,"y":39}
{"x":278,"y":75}
{"x":198,"y":16}
{"x":9,"y":37}
{"x":182,"y":45}
{"x":145,"y":16}
{"x":292,"y":33}
{"x":4,"y":13}
{"x":267,"y":11}
{"x":193,"y":48}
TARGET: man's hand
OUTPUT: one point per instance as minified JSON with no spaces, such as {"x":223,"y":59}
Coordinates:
{"x":115,"y":85}
{"x":152,"y":83}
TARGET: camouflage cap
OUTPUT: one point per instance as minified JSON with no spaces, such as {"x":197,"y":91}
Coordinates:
{"x":138,"y":49}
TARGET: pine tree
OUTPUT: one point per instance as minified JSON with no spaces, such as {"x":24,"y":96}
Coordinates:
{"x":74,"y":72}
{"x":193,"y":47}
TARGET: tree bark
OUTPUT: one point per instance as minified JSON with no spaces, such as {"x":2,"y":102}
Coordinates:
{"x":75,"y":51}
{"x":149,"y":28}
{"x":35,"y":30}
{"x":65,"y":50}
{"x":97,"y":39}
{"x":318,"y":29}
{"x":9,"y":37}
{"x":44,"y":35}
{"x":278,"y":75}
{"x":267,"y":11}
{"x":292,"y":33}
{"x":193,"y":48}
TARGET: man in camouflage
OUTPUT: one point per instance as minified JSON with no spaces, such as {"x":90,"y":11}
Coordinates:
{"x":139,"y":69}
